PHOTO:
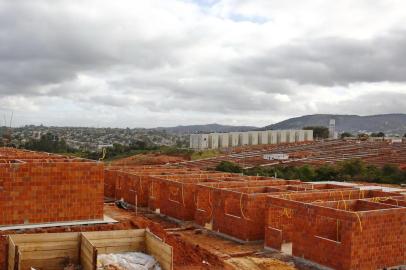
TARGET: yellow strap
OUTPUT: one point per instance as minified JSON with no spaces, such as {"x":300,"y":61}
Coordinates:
{"x":242,"y":212}
{"x":359,"y":220}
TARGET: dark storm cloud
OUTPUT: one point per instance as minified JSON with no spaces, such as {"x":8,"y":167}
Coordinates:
{"x":333,"y":61}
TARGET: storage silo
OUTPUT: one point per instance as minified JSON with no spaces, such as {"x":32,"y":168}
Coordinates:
{"x":282,"y":136}
{"x":199,"y":141}
{"x":291,"y":136}
{"x":234,"y":139}
{"x":224,"y":140}
{"x":244,"y":138}
{"x":253,"y":138}
{"x":204,"y":141}
{"x":300,"y":135}
{"x":213,"y":140}
{"x":308,"y":135}
{"x":263,"y":137}
{"x":194,"y":141}
{"x":272,"y":137}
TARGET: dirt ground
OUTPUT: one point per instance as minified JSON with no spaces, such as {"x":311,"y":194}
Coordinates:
{"x":148,"y":159}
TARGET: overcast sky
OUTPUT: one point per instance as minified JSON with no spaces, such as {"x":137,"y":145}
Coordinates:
{"x":148,"y":63}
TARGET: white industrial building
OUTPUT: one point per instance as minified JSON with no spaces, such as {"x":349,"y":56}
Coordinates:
{"x":272,"y":137}
{"x":244,"y":138}
{"x":253,"y":137}
{"x":214,"y":141}
{"x":235,"y":139}
{"x":199,"y":141}
{"x":224,"y":140}
{"x":282,"y":136}
{"x":263,"y":137}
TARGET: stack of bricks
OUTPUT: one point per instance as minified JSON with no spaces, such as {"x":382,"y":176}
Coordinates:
{"x":42,"y":188}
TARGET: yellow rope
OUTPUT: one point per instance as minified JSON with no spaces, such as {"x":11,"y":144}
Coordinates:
{"x":211,"y":205}
{"x":242,"y":212}
{"x":345,"y":204}
{"x":359,"y":220}
{"x":183,"y":197}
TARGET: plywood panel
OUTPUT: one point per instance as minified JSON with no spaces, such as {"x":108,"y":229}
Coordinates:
{"x":161,"y":251}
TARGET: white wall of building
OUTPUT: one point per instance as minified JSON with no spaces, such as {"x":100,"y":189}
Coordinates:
{"x":272,"y":137}
{"x":253,"y":137}
{"x":300,"y":136}
{"x":282,"y":136}
{"x":199,"y":141}
{"x":244,"y":138}
{"x":291,"y":136}
{"x":234,"y":139}
{"x":213,"y":140}
{"x":308,"y":135}
{"x":263,"y":137}
{"x":224,"y":140}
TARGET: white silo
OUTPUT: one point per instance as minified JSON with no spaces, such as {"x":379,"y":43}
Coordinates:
{"x":253,"y":138}
{"x":282,"y":136}
{"x":224,"y":140}
{"x":234,"y":139}
{"x":309,"y":135}
{"x":300,"y":135}
{"x":213,"y":140}
{"x":272,"y":136}
{"x":244,"y":138}
{"x":263,"y":137}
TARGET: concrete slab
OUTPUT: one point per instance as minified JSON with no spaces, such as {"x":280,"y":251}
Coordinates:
{"x":105,"y":220}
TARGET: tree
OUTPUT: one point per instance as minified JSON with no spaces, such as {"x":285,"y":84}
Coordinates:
{"x":326,"y":173}
{"x":227,"y":166}
{"x":319,"y":132}
{"x":363,"y":136}
{"x":306,"y":173}
{"x":345,"y":135}
{"x":379,"y":134}
{"x":404,"y":136}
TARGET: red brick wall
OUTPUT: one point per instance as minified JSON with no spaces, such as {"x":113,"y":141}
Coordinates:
{"x":50,"y":192}
{"x":337,"y":238}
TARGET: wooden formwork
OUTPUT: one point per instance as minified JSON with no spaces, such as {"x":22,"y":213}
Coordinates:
{"x":49,"y":251}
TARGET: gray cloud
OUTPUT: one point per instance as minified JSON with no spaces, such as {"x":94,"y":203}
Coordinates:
{"x":333,"y":61}
{"x":170,"y":58}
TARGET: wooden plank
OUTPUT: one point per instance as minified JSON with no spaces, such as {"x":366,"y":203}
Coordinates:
{"x":24,"y":247}
{"x":44,"y":237}
{"x":113,"y":234}
{"x":113,"y":242}
{"x":49,"y":254}
{"x":121,"y":249}
{"x":49,"y":264}
{"x":86,"y":254}
{"x":162,"y":252}
{"x":11,"y":253}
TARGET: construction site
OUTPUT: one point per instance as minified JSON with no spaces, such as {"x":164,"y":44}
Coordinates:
{"x":59,"y":212}
{"x":314,"y":153}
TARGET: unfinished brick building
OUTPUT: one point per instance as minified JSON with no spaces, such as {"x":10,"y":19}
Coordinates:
{"x":339,"y":225}
{"x":43,"y":188}
{"x":346,"y":229}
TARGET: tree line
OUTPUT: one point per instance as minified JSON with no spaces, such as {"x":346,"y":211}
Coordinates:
{"x":348,"y":170}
